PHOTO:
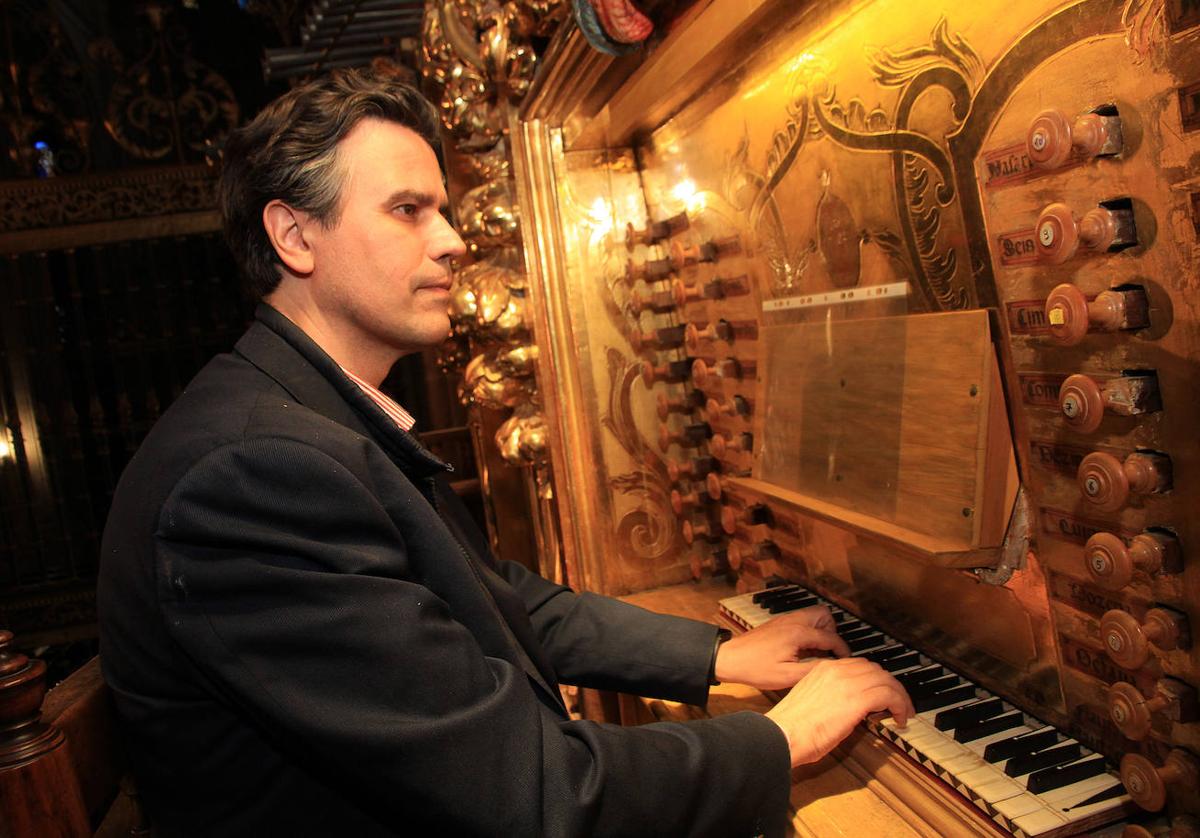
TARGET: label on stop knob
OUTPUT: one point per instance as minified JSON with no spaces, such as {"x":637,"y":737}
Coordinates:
{"x":1018,"y":248}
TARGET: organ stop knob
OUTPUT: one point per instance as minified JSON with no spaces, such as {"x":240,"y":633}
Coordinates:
{"x":1059,"y":233}
{"x":1107,"y":482}
{"x":1131,"y":711}
{"x":1147,"y":783}
{"x":1111,"y":564}
{"x":1052,"y":137}
{"x":1128,"y":642}
{"x":1070,"y":315}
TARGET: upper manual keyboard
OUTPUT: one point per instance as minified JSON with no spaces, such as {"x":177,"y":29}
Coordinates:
{"x":1028,"y":777}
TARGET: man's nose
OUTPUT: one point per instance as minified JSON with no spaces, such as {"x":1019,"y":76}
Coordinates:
{"x":446,"y":243}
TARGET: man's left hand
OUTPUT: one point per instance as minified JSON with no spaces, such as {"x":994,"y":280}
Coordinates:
{"x":779,"y":653}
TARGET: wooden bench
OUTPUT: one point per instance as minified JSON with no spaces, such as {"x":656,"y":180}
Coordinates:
{"x":63,"y":771}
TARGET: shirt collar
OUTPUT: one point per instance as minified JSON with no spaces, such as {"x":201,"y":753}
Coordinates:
{"x":403,"y":419}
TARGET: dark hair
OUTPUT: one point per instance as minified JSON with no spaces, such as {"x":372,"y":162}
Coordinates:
{"x":289,"y":152}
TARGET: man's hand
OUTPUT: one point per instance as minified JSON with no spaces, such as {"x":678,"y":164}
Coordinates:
{"x":836,"y":695}
{"x":779,"y":653}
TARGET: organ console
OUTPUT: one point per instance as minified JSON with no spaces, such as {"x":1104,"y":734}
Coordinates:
{"x":923,"y":323}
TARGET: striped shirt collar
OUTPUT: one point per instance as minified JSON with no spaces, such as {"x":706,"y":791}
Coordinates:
{"x":395,"y":412}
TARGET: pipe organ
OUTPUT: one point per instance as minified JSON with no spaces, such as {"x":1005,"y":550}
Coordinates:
{"x":897,"y":303}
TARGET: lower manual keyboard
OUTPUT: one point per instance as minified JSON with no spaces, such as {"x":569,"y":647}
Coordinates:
{"x":1028,"y":777}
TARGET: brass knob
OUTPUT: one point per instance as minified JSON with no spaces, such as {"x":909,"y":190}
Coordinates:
{"x":1081,"y":403}
{"x":1052,"y":136}
{"x":1127,"y":642}
{"x":1107,"y":482}
{"x":1147,"y":784}
{"x":1131,"y":711}
{"x":1111,"y":564}
{"x":1058,"y":233}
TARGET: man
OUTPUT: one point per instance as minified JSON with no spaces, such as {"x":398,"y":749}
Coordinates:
{"x":303,"y":632}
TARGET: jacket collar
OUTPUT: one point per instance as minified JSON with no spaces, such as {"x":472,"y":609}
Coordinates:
{"x":282,"y":350}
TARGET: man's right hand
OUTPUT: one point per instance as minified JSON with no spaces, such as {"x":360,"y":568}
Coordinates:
{"x":822,"y":709}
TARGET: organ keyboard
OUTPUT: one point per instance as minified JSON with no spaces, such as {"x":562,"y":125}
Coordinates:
{"x":1026,"y":776}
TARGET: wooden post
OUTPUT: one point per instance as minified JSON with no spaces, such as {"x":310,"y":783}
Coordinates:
{"x":39,"y":792}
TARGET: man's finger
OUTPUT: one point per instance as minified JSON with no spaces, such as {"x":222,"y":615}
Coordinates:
{"x":825,"y":640}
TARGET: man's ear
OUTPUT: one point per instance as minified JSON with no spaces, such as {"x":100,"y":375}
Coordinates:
{"x":285,"y":228}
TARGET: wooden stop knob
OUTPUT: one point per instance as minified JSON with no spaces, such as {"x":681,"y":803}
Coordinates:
{"x":728,"y":519}
{"x":712,"y":485}
{"x":1081,"y":403}
{"x":1107,"y":482}
{"x":1048,"y":141}
{"x":1131,"y":711}
{"x":681,"y":502}
{"x":1103,"y":480}
{"x":700,"y":372}
{"x":1125,"y":640}
{"x":1147,"y":784}
{"x":1098,"y":229}
{"x":734,"y":552}
{"x":1056,"y":234}
{"x":1053,"y":136}
{"x":1108,"y":561}
{"x":1111,"y":564}
{"x":1067,"y":314}
{"x":1128,"y":642}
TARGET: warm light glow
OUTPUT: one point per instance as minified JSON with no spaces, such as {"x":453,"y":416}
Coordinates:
{"x":601,"y":216}
{"x":6,"y":446}
{"x":686,"y":193}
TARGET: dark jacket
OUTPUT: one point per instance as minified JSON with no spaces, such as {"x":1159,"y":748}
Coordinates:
{"x":306,"y":635}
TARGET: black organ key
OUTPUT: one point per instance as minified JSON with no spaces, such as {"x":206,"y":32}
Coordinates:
{"x":1063,"y":775}
{"x":769,"y":593}
{"x":986,"y":727}
{"x":1026,"y":743}
{"x":1115,"y":790}
{"x":792,"y":603}
{"x":950,"y":719}
{"x":920,"y":676}
{"x":857,"y":632}
{"x":905,"y":660}
{"x":841,"y":617}
{"x":773,"y":597}
{"x":889,"y":652}
{"x":944,"y":699}
{"x":934,"y":685}
{"x":868,"y":641}
{"x":1028,"y":763}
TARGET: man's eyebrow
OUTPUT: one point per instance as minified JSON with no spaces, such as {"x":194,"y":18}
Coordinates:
{"x":414,"y":196}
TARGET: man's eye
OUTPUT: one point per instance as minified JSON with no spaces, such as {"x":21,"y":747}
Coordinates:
{"x":407,"y":209}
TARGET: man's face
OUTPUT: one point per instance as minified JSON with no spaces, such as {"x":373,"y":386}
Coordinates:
{"x":381,"y":275}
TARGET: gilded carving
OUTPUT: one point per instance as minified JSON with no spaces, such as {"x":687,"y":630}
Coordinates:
{"x":488,"y":216}
{"x":647,"y":532}
{"x":51,"y":203}
{"x":923,"y":172}
{"x":166,"y":101}
{"x":1145,"y":23}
